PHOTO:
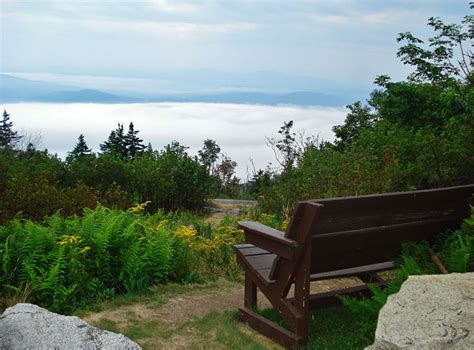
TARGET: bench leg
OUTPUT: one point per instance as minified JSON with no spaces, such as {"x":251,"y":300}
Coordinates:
{"x":301,"y":301}
{"x":279,"y":334}
{"x":250,"y":294}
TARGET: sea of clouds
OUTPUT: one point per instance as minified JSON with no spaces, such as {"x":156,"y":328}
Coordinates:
{"x":240,"y":130}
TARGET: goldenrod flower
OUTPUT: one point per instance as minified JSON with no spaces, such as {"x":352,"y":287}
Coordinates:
{"x":161,"y":224}
{"x":186,"y":232}
{"x":85,"y":249}
{"x":71,"y":239}
{"x":138,"y":208}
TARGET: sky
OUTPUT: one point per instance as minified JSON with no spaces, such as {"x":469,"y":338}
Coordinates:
{"x":349,"y":42}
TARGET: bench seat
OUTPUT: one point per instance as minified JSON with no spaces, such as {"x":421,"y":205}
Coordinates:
{"x":262,"y":261}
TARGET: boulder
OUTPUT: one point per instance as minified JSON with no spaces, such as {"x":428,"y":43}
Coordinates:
{"x":28,"y":326}
{"x":430,"y":312}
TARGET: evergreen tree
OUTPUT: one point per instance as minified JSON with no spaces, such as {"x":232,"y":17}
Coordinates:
{"x":132,"y":142}
{"x":115,"y":144}
{"x":80,"y":149}
{"x":8,"y":137}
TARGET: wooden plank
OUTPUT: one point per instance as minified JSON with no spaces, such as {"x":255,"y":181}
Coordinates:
{"x":299,"y":229}
{"x":243,"y":246}
{"x":259,"y":262}
{"x":343,"y":213}
{"x":275,"y":247}
{"x":265,"y":273}
{"x":250,"y":294}
{"x":353,"y":271}
{"x":266,"y":232}
{"x":269,"y":239}
{"x":342,"y":250}
{"x":387,"y":199}
{"x":254,"y":251}
{"x":328,"y":299}
{"x":273,"y":331}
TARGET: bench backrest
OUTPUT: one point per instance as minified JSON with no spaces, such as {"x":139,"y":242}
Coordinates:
{"x":354,"y":231}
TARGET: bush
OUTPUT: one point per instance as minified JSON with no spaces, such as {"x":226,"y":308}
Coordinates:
{"x":456,"y":251}
{"x":64,"y":263}
{"x":38,"y":184}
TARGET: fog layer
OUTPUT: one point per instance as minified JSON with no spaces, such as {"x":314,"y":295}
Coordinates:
{"x":240,"y":130}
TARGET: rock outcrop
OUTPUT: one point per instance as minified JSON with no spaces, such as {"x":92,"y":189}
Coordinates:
{"x":28,"y":326}
{"x":430,"y":312}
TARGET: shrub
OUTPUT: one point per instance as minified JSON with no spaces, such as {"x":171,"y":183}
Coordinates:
{"x":456,"y":251}
{"x":64,"y":263}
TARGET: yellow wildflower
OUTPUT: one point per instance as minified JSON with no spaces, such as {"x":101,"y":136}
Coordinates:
{"x":284,"y":224}
{"x":187,"y":233}
{"x":138,"y":208}
{"x":162,"y":224}
{"x":71,"y":239}
{"x":85,"y":249}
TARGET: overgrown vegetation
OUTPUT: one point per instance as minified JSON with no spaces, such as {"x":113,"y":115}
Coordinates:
{"x":37,"y":183}
{"x":456,"y":250}
{"x":63,"y":263}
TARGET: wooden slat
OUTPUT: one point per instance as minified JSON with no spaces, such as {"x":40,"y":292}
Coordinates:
{"x":342,"y":250}
{"x":328,"y":299}
{"x":384,"y":199}
{"x":266,"y":232}
{"x":242,"y":246}
{"x":353,"y":271}
{"x":272,"y":330}
{"x":269,"y":239}
{"x":261,"y":261}
{"x":253,"y":251}
{"x":344,"y":213}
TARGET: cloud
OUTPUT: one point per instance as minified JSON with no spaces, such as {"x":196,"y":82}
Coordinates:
{"x":175,"y":7}
{"x":240,"y":130}
{"x":334,"y":19}
{"x":161,"y":28}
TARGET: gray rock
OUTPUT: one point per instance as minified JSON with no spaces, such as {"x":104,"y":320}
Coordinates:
{"x":28,"y":326}
{"x":430,"y":312}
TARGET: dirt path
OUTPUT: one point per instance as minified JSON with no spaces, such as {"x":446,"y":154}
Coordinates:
{"x":221,"y":207}
{"x":176,"y":323}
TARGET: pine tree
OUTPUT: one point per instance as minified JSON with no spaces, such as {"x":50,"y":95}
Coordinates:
{"x":115,"y":144}
{"x":80,"y":149}
{"x":133,"y":143}
{"x":8,"y":137}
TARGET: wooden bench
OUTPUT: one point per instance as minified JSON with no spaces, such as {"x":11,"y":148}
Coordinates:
{"x":332,"y":238}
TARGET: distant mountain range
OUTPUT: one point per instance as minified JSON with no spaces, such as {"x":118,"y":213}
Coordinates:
{"x":14,"y":89}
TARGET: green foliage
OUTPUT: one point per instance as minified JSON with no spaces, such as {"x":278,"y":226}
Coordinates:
{"x":209,"y":154}
{"x":38,"y":184}
{"x":457,"y":248}
{"x":413,"y":134}
{"x":80,"y":150}
{"x":65,"y":263}
{"x":8,"y":137}
{"x":70,"y":261}
{"x":456,"y":251}
{"x":359,"y":118}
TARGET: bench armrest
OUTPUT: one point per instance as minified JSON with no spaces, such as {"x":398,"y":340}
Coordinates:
{"x":269,"y":239}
